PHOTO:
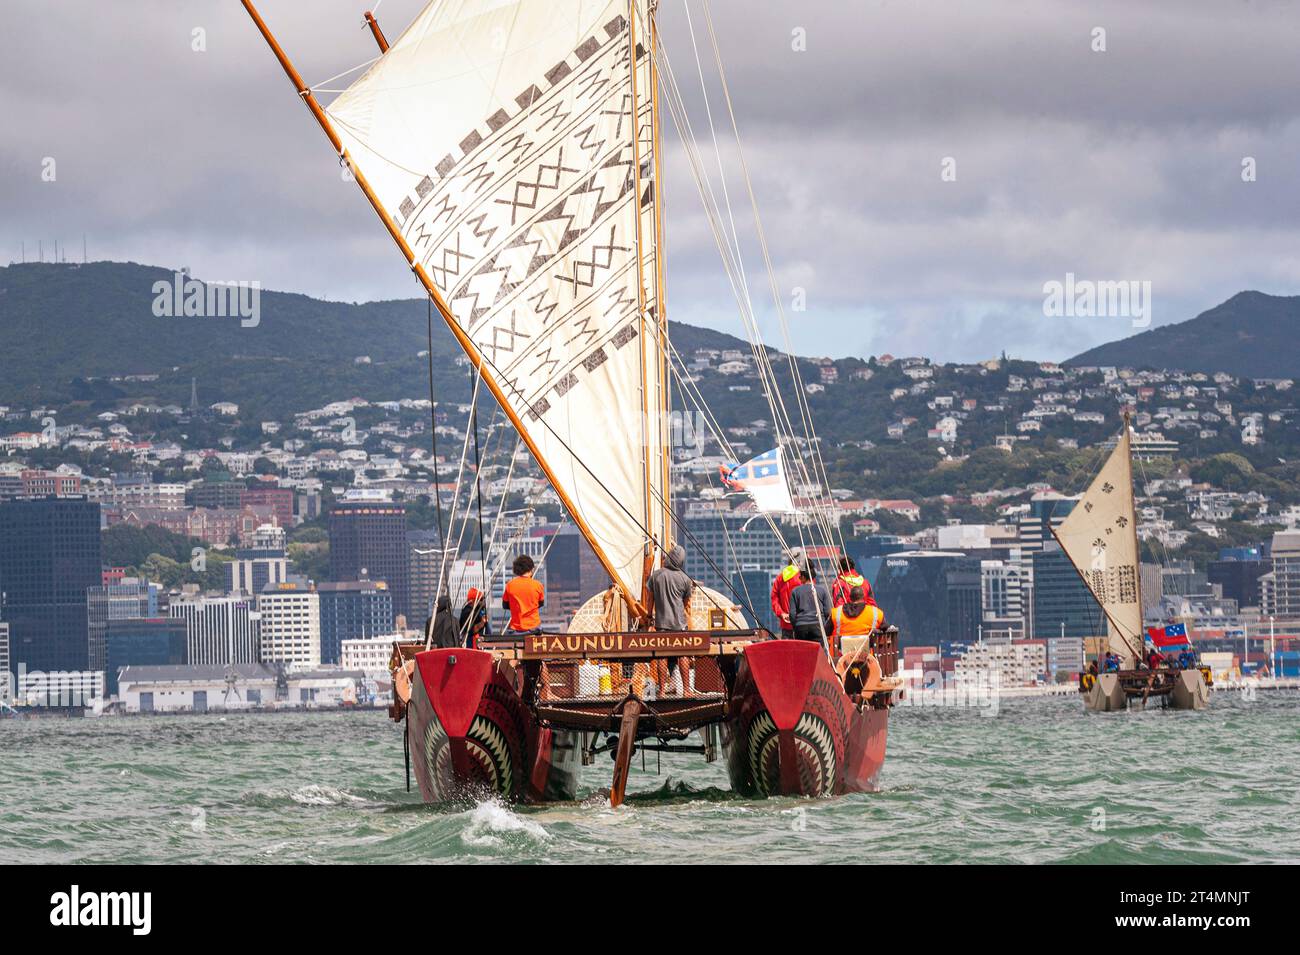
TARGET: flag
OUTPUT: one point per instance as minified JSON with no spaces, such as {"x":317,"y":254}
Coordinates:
{"x":763,"y":479}
{"x":1174,"y":635}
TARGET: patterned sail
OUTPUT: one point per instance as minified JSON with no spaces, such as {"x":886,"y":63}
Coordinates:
{"x":1100,"y":538}
{"x":500,"y":136}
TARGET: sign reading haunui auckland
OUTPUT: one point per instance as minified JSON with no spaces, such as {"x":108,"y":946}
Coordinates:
{"x":648,"y":644}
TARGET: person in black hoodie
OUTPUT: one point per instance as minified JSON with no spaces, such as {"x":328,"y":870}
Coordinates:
{"x":441,"y":630}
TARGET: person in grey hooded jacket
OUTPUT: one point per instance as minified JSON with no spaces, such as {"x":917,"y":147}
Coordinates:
{"x":810,"y":608}
{"x":670,"y":591}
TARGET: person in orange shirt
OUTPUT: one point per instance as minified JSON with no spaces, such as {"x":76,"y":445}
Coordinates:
{"x":524,"y":598}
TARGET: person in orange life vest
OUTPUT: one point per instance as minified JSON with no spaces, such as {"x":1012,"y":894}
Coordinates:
{"x":787,"y":579}
{"x":524,"y":598}
{"x":846,"y":580}
{"x":858,"y":618}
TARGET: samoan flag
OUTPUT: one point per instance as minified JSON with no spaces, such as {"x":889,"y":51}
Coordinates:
{"x":763,"y":479}
{"x":1174,"y":635}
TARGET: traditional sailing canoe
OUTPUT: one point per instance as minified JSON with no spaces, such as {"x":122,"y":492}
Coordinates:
{"x":511,"y":148}
{"x":518,"y":718}
{"x":1100,"y":539}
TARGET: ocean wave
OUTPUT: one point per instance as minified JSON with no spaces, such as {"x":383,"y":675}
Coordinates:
{"x":491,"y":825}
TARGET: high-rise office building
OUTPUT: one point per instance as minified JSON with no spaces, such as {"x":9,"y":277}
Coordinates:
{"x":1063,"y":605}
{"x":49,"y":558}
{"x":732,"y":548}
{"x":1280,"y":587}
{"x":143,"y":641}
{"x":574,"y":573}
{"x":219,"y":630}
{"x":352,"y":610}
{"x":127,"y":599}
{"x":933,"y":597}
{"x":368,"y":539}
{"x":1002,"y":595}
{"x":1237,"y":573}
{"x":754,"y":586}
{"x":290,"y":615}
{"x":1045,"y":513}
{"x":425,"y":560}
{"x":262,"y":563}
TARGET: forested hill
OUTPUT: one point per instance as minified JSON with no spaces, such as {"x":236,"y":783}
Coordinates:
{"x":1252,"y":335}
{"x":63,"y":326}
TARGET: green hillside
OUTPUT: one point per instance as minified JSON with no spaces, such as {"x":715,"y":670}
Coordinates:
{"x":63,"y":325}
{"x":1251,"y":334}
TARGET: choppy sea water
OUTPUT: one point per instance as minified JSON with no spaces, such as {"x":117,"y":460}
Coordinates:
{"x":1042,"y":781}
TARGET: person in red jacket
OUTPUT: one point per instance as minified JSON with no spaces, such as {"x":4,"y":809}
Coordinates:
{"x":787,"y":579}
{"x":848,"y":578}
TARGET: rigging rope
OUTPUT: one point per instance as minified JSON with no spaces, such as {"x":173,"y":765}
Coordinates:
{"x":729,"y":251}
{"x":433,"y":433}
{"x":800,"y":393}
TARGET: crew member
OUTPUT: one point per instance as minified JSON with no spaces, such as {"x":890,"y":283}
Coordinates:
{"x":524,"y":598}
{"x":440,"y":631}
{"x":846,"y":580}
{"x":670,"y":589}
{"x":856,"y":618}
{"x":474,"y":623}
{"x":786,"y":581}
{"x":810,"y":608}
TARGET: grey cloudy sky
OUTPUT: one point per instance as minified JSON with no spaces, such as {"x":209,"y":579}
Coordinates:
{"x":1117,"y":165}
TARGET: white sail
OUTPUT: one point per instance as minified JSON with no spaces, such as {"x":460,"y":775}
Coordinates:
{"x":499,"y":135}
{"x":1100,"y":538}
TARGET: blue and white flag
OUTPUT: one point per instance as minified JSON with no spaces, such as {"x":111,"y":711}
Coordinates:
{"x":763,"y":479}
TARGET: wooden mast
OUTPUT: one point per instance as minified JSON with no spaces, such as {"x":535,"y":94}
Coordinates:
{"x":1137,"y":544}
{"x":661,"y":306}
{"x":378,"y":33}
{"x":305,"y":93}
{"x":647,"y":508}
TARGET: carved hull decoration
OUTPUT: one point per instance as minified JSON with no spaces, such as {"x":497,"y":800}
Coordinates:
{"x":792,"y":730}
{"x":473,"y":737}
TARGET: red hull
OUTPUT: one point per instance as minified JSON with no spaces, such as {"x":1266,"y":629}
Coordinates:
{"x":788,"y":729}
{"x":473,"y":737}
{"x":793,"y":731}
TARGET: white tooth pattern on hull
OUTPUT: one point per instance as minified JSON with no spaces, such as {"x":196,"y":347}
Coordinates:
{"x":487,"y":747}
{"x":437,"y":759}
{"x":813,"y":739}
{"x":813,"y":743}
{"x":486,"y":739}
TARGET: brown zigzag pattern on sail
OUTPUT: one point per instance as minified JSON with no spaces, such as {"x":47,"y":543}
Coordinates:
{"x":527,"y":166}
